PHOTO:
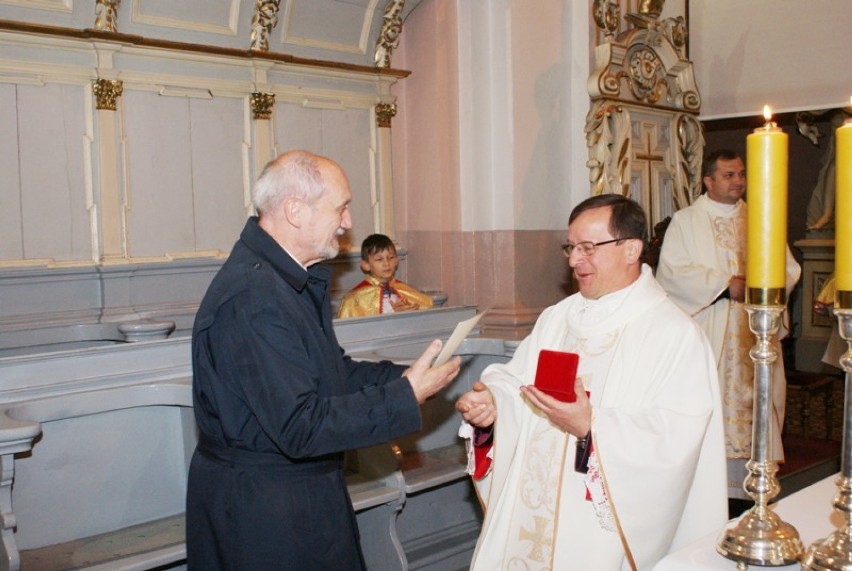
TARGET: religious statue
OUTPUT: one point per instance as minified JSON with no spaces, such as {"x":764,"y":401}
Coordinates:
{"x":263,"y":21}
{"x":820,"y":213}
{"x":388,"y":38}
{"x":106,"y":15}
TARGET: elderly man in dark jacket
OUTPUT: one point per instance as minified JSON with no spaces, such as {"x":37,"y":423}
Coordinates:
{"x":277,"y":401}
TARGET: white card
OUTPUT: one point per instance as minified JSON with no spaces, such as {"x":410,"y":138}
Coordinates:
{"x":461,"y":331}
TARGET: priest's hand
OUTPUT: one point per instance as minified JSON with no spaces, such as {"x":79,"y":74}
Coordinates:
{"x":737,"y":288}
{"x":572,"y":417}
{"x":427,"y":380}
{"x":477,"y":406}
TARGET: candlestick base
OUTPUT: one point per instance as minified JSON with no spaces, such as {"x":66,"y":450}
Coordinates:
{"x":835,"y":552}
{"x":760,"y":537}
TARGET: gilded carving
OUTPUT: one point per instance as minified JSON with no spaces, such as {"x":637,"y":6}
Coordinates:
{"x":651,"y":7}
{"x":388,"y":38}
{"x":263,"y":21}
{"x":607,"y":15}
{"x":690,"y":137}
{"x":642,"y":72}
{"x":106,"y":92}
{"x":646,"y":76}
{"x":106,"y":15}
{"x":384,"y":113}
{"x":262,"y":104}
{"x":608,"y":139}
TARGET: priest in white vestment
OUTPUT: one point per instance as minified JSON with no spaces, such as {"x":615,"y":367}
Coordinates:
{"x":702,"y":267}
{"x":656,"y":474}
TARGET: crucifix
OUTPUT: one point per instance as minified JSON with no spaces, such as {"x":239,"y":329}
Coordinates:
{"x":650,"y":168}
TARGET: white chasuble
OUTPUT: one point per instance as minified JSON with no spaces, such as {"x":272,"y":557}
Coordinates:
{"x":704,"y":246}
{"x":657,"y":434}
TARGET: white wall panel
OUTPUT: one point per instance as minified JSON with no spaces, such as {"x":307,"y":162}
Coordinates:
{"x":219,"y":193}
{"x":160,"y":217}
{"x":50,"y":146}
{"x":347,"y":140}
{"x":176,"y":150}
{"x":328,"y":24}
{"x":197,"y":15}
{"x":344,"y":136}
{"x":51,"y":12}
{"x":297,"y":127}
{"x":11,"y":239}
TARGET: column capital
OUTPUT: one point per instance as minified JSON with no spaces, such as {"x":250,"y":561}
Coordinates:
{"x":106,"y":92}
{"x":262,"y":104}
{"x":384,"y":113}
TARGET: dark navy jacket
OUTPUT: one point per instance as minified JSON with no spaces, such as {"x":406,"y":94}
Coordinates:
{"x":277,"y":402}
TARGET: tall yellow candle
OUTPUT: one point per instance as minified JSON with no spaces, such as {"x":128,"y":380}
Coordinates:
{"x":843,"y":207}
{"x":766,"y":176}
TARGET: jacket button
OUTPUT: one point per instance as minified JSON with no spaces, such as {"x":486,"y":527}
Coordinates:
{"x":257,"y":265}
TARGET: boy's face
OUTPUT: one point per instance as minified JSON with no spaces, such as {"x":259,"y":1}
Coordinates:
{"x":381,"y":265}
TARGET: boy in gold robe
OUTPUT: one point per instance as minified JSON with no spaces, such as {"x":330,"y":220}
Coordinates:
{"x":381,"y":292}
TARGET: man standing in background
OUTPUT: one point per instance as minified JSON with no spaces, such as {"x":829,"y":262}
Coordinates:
{"x":702,"y":267}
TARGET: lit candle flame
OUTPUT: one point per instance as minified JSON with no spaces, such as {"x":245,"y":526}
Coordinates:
{"x":767,"y":112}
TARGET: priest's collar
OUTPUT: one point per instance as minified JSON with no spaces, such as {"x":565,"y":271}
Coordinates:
{"x":595,"y":309}
{"x":724,"y":206}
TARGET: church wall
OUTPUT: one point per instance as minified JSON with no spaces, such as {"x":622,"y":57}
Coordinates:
{"x":159,"y":185}
{"x":489,"y":151}
{"x":789,"y":54}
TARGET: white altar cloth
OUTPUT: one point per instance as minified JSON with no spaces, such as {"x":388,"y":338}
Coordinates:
{"x":809,"y":510}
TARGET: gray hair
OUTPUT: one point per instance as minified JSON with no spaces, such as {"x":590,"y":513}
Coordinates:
{"x":292,"y":174}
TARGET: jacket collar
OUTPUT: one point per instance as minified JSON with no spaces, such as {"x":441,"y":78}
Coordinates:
{"x":265,"y":247}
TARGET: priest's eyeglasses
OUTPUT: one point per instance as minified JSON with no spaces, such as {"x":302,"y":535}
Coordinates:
{"x":587,"y":248}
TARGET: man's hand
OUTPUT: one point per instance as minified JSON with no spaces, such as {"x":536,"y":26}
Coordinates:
{"x":737,"y":288}
{"x":427,"y":380}
{"x":572,"y":417}
{"x":477,"y":406}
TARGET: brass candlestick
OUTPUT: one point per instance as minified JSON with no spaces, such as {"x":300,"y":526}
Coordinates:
{"x":760,"y":537}
{"x":835,"y":552}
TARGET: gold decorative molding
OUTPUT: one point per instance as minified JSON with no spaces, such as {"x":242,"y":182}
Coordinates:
{"x":106,"y":15}
{"x":388,"y":38}
{"x":190,"y":48}
{"x":106,"y":92}
{"x":608,"y":139}
{"x":607,"y":15}
{"x":644,"y":64}
{"x":262,"y":104}
{"x":642,"y":129}
{"x":690,"y":137}
{"x":263,"y":21}
{"x":384,"y":113}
